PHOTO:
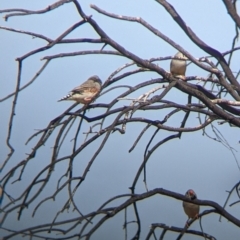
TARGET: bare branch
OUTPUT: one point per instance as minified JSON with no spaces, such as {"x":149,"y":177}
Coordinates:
{"x":24,"y":12}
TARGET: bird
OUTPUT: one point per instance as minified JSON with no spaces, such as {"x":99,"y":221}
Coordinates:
{"x":178,"y":66}
{"x":86,"y":92}
{"x":191,"y":209}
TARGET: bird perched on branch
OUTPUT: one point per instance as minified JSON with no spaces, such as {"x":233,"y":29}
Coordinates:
{"x":86,"y":92}
{"x":192,"y":210}
{"x":178,"y":66}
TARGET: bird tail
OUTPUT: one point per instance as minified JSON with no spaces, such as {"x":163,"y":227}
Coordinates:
{"x":65,"y":98}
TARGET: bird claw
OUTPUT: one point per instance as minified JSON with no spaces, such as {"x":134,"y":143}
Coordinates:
{"x":180,"y":77}
{"x":196,"y":217}
{"x":88,"y":99}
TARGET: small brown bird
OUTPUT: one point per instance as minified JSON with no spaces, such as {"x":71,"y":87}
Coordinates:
{"x":192,"y":210}
{"x":178,"y":66}
{"x":86,"y":92}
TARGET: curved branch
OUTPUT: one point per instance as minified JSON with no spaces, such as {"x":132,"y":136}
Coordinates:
{"x":232,"y":11}
{"x":29,"y":12}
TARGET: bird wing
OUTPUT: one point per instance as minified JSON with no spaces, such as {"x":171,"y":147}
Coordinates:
{"x":85,"y":88}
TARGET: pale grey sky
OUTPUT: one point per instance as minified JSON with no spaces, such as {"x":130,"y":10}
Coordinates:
{"x":194,"y":161}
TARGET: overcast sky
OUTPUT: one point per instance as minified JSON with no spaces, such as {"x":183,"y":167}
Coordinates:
{"x":194,"y":161}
